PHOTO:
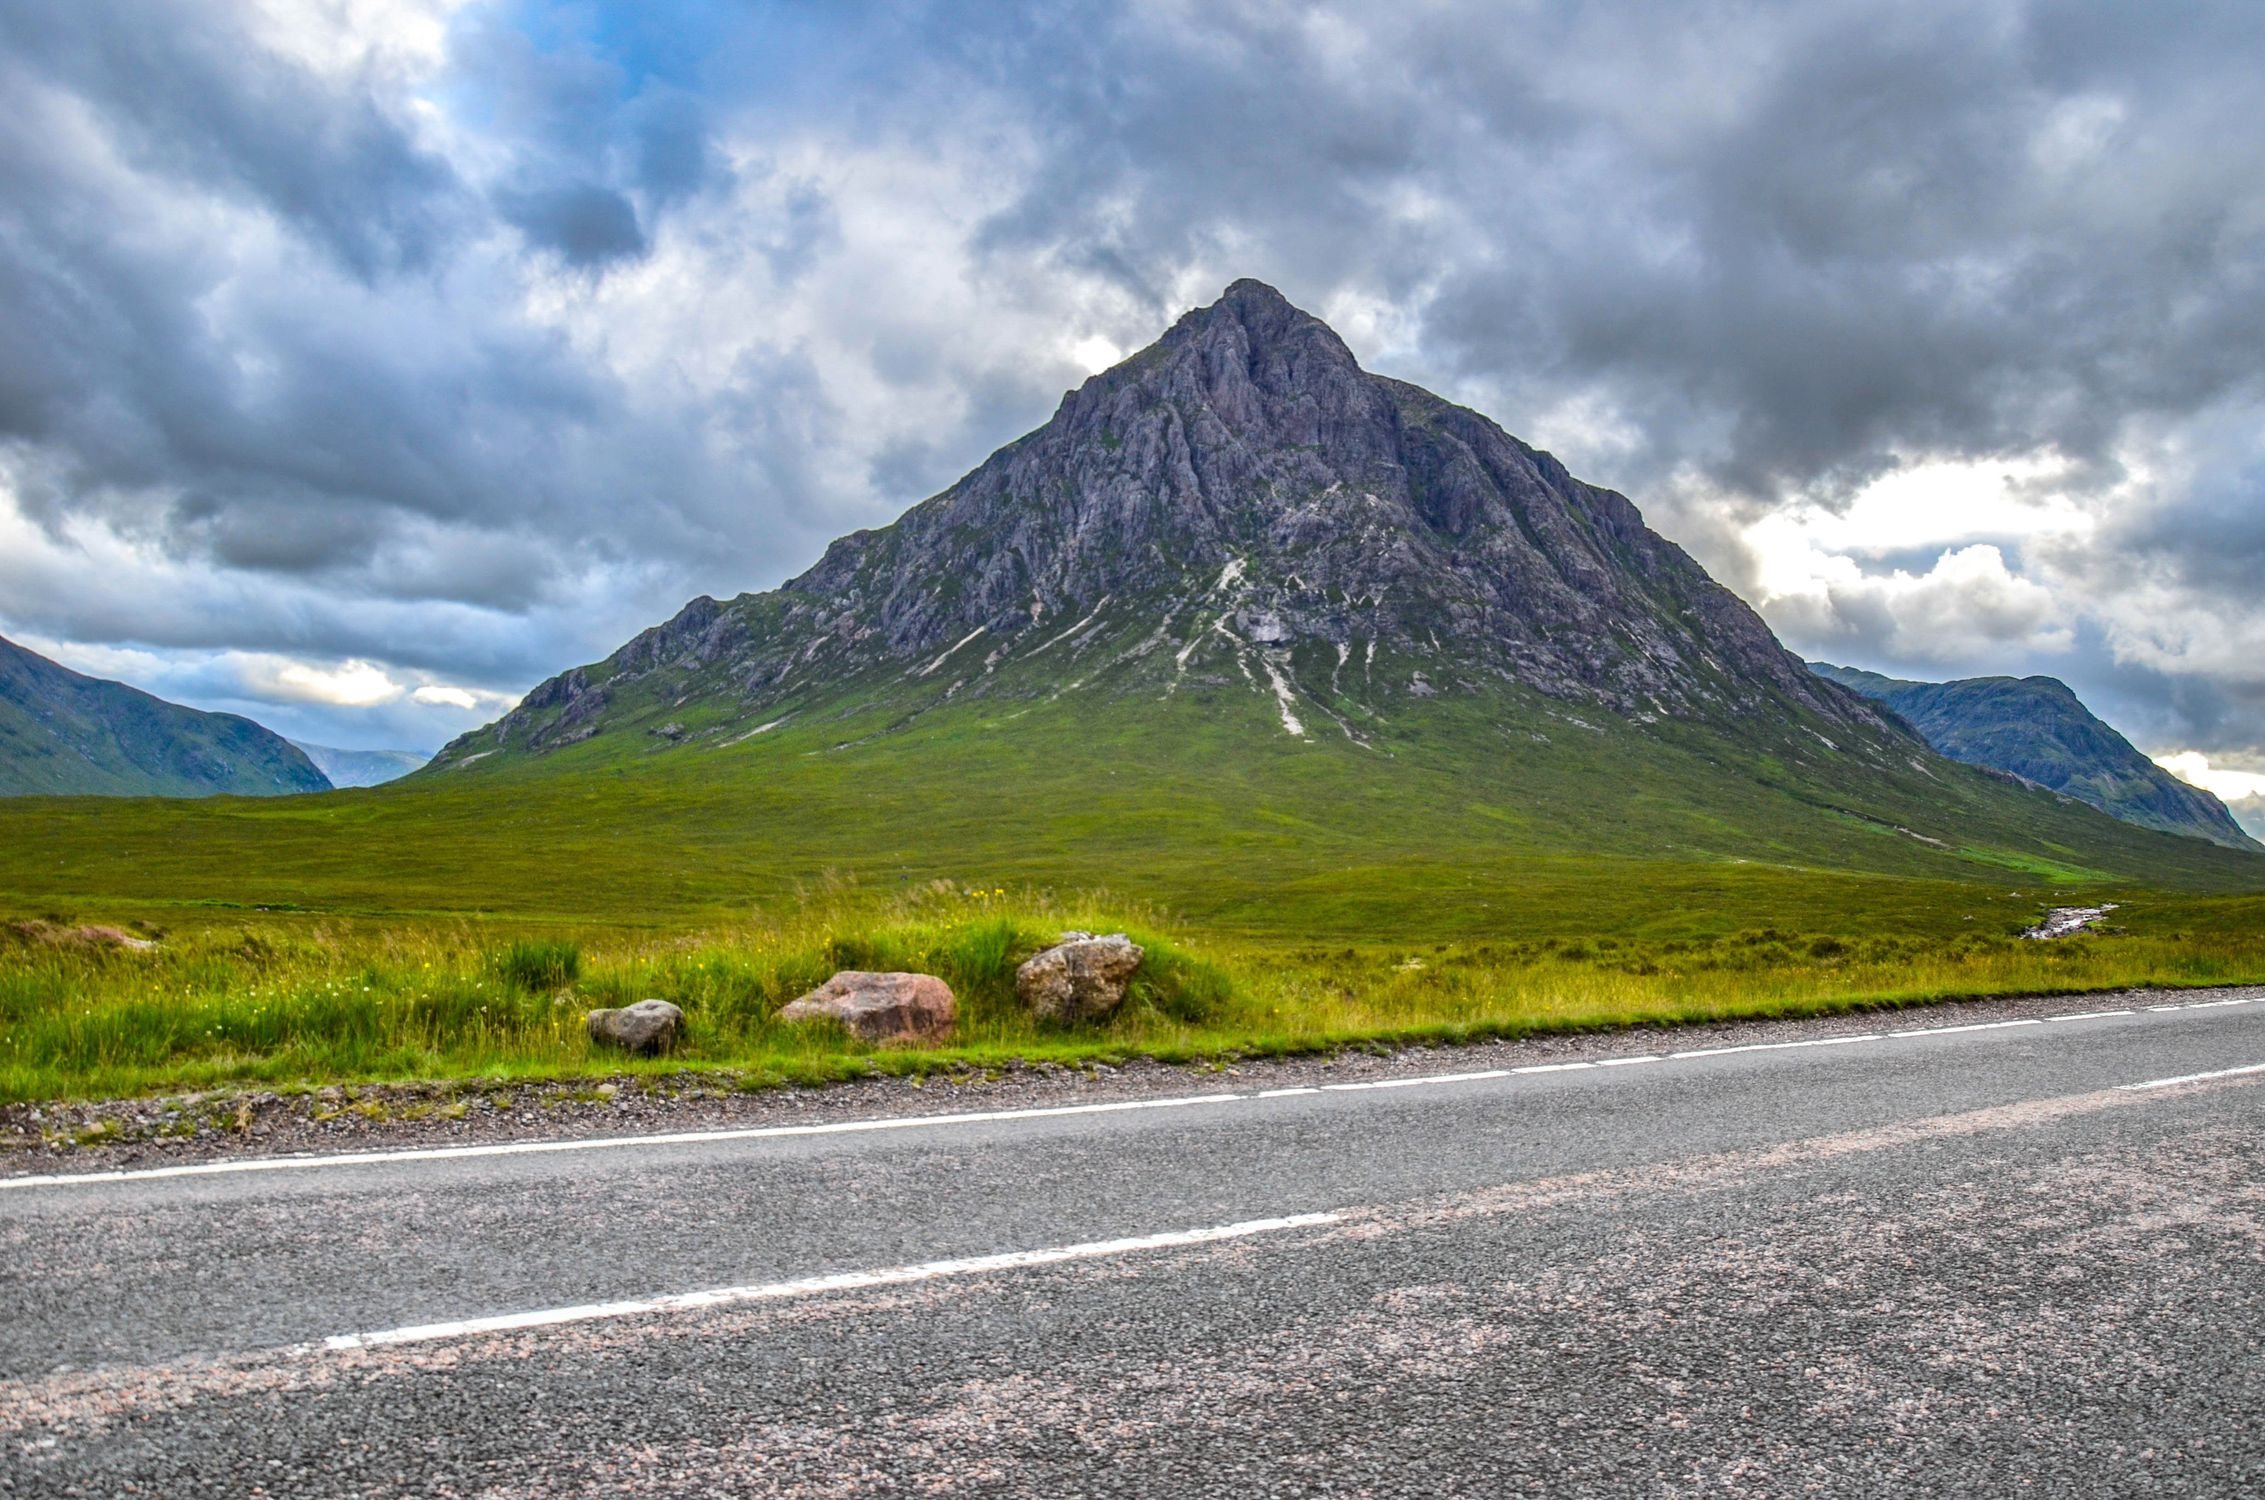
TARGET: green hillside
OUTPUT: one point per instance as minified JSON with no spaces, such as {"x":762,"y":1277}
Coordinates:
{"x":66,"y":734}
{"x":2035,"y":728}
{"x":1501,"y":813}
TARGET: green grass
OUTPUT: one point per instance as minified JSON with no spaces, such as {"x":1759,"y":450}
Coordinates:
{"x":287,"y":1000}
{"x":1483,"y":866}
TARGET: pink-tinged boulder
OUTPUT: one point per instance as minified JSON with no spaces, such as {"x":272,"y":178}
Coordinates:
{"x":648,"y":1028}
{"x":913,"y":1010}
{"x":1081,"y":978}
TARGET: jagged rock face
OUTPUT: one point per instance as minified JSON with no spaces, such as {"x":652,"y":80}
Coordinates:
{"x":1242,"y":488}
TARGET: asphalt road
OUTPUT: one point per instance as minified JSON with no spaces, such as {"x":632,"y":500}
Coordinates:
{"x":1963,"y":1262}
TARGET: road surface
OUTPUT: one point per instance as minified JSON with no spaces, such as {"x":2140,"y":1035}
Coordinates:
{"x":2025,"y":1258}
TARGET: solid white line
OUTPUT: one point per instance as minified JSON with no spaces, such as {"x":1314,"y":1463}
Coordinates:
{"x":2164,"y":1083}
{"x":600,"y":1143}
{"x":1622,"y":1062}
{"x":811,"y":1286}
{"x":2085,"y":1015}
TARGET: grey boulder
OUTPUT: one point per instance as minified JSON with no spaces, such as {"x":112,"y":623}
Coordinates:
{"x":1081,"y":978}
{"x":908,"y":1009}
{"x":647,"y":1028}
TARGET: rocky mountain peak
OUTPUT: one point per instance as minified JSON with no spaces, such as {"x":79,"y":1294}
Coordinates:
{"x":1242,"y":497}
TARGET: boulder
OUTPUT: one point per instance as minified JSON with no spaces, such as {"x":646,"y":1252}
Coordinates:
{"x":1081,"y":978}
{"x":911,"y":1009}
{"x":647,"y":1028}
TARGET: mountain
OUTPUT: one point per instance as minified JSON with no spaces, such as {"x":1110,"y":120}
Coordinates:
{"x":1240,"y":496}
{"x":2035,"y":728}
{"x":361,"y":767}
{"x":1241,"y":608}
{"x":62,"y":733}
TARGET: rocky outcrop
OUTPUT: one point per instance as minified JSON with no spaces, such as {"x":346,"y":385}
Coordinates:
{"x":900,"y":1009}
{"x":1081,"y":978}
{"x":648,"y":1028}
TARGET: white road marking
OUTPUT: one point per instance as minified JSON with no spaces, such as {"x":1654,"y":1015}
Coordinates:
{"x":1822,"y":1041}
{"x":1416,"y":1082}
{"x":1976,"y":1026}
{"x":814,"y":1286}
{"x":601,"y":1143}
{"x":2164,"y":1083}
{"x":979,"y":1117}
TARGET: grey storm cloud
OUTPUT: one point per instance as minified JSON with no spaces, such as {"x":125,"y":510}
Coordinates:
{"x":180,"y":94}
{"x":349,"y":365}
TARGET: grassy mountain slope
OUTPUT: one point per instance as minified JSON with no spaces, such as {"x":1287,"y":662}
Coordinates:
{"x":63,"y":733}
{"x":2035,"y":728}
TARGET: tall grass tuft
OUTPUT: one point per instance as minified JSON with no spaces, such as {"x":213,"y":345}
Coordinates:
{"x":537,"y":965}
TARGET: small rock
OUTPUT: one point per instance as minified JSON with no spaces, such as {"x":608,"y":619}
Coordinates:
{"x":913,"y":1009}
{"x":2067,"y":921}
{"x":648,"y":1027}
{"x":1081,"y":978}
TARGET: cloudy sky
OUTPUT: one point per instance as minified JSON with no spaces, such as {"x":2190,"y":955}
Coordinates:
{"x":367,"y":361}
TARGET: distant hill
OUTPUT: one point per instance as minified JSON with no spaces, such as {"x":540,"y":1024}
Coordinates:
{"x":63,"y":734}
{"x":362,"y":767}
{"x":2035,"y":728}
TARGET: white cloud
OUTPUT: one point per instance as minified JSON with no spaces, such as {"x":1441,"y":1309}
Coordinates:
{"x":454,"y":697}
{"x":1095,"y":354}
{"x":350,"y":684}
{"x":2194,"y":768}
{"x":1966,"y":607}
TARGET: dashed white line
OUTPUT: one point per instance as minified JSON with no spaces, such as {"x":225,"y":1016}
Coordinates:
{"x":813,"y":1286}
{"x":979,"y":1117}
{"x":1822,"y":1041}
{"x":1417,"y":1082}
{"x":2164,"y":1083}
{"x":1948,"y":1030}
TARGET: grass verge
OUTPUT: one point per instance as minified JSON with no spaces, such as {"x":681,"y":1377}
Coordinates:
{"x":91,"y":1011}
